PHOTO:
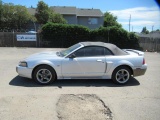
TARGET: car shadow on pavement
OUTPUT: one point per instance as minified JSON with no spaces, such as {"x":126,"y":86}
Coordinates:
{"x":25,"y":82}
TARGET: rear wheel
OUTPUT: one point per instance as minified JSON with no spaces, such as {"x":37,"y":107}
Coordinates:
{"x":44,"y":75}
{"x":121,"y":75}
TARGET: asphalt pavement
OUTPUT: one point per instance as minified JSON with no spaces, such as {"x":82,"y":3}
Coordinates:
{"x":22,"y":98}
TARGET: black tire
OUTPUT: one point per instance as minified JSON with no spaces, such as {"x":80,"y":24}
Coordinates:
{"x":121,"y":75}
{"x":44,"y":75}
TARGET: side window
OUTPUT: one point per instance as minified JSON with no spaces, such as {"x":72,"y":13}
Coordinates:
{"x":94,"y":51}
{"x":107,"y":52}
{"x":80,"y":52}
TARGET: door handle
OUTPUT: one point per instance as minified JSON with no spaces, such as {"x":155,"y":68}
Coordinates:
{"x":99,"y":60}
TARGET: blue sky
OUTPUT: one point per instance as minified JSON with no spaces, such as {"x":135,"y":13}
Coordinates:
{"x":143,"y":12}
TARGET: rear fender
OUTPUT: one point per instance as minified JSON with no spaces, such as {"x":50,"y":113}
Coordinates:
{"x":121,"y":63}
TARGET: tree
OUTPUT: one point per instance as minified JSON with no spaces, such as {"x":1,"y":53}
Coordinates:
{"x":7,"y":11}
{"x":57,"y":18}
{"x":21,"y":16}
{"x":1,"y":10}
{"x":144,"y":30}
{"x":13,"y":16}
{"x":42,"y":12}
{"x":110,"y":20}
{"x":157,"y":30}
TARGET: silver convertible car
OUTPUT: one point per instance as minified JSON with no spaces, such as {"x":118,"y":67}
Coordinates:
{"x":84,"y":60}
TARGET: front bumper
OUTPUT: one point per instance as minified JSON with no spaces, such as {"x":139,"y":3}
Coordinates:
{"x":140,"y":71}
{"x":24,"y":71}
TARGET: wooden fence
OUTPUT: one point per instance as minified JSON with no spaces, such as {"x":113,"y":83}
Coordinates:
{"x":9,"y":39}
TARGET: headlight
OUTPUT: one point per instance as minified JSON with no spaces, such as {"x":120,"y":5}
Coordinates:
{"x":23,"y":64}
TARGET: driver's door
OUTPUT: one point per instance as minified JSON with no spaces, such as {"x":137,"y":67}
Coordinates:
{"x":88,"y":62}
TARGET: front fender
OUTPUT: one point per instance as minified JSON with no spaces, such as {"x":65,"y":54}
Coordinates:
{"x":33,"y":64}
{"x":55,"y":65}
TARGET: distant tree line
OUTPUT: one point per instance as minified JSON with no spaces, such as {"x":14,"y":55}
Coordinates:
{"x":13,"y":16}
{"x":17,"y":16}
{"x":145,"y":31}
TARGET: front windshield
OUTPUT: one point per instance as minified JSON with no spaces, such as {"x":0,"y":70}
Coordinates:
{"x":70,"y":49}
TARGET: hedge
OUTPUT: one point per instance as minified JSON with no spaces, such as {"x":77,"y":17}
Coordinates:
{"x":64,"y":35}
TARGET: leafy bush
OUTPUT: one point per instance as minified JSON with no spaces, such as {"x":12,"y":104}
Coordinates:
{"x":64,"y":35}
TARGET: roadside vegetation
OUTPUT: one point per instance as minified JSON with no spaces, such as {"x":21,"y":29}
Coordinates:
{"x":17,"y":17}
{"x":45,"y":14}
{"x":64,"y":35}
{"x":13,"y":16}
{"x":55,"y":32}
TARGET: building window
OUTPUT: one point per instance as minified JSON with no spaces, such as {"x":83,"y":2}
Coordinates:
{"x":92,"y":21}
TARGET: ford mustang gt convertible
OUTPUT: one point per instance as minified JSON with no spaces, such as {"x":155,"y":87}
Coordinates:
{"x":84,"y":60}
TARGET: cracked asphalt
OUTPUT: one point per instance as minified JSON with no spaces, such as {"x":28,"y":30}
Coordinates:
{"x":22,"y":98}
{"x":82,"y":107}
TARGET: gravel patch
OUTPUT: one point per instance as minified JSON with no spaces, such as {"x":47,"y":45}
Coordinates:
{"x":82,"y":107}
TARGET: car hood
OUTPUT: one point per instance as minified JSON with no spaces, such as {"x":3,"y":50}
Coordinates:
{"x":43,"y":55}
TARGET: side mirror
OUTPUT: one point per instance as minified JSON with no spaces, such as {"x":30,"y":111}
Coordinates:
{"x":72,"y":56}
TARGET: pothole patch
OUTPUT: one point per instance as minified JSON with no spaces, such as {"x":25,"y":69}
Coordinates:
{"x":82,"y":107}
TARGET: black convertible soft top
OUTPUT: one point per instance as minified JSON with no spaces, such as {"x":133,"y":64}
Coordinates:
{"x":112,"y":47}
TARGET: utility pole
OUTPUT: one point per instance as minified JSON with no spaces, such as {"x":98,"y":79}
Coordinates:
{"x":108,"y":35}
{"x":152,"y":27}
{"x":129,"y":22}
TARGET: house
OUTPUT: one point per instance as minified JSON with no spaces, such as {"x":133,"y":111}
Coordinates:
{"x":91,"y":18}
{"x":69,"y":13}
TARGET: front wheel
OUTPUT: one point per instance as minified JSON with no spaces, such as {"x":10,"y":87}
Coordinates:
{"x":44,"y":75}
{"x":121,"y":75}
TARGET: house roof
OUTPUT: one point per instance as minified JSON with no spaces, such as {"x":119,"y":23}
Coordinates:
{"x":64,"y":10}
{"x":32,"y":11}
{"x":89,"y":12}
{"x":71,"y":10}
{"x":77,"y":11}
{"x":155,"y":34}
